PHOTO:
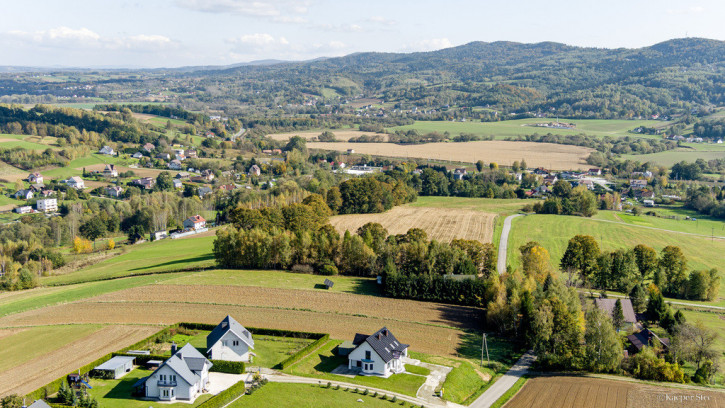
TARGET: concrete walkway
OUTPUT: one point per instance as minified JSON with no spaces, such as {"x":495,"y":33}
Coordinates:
{"x":437,"y":376}
{"x":497,"y":389}
{"x":503,"y":243}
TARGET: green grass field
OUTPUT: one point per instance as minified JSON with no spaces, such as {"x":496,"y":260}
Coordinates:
{"x":522,"y":127}
{"x":117,"y":393}
{"x":159,"y":256}
{"x":311,"y":396}
{"x":34,"y":342}
{"x":161,"y":121}
{"x":554,"y":231}
{"x":463,"y":384}
{"x":278,"y":279}
{"x":319,"y":364}
{"x":670,"y":157}
{"x":713,"y":321}
{"x":24,"y":144}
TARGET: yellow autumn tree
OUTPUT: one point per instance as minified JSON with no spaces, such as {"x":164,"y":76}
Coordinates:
{"x":535,"y":261}
{"x":110,"y":244}
{"x":81,"y":246}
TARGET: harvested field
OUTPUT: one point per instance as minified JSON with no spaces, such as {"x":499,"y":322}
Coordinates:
{"x":342,"y":135}
{"x":575,"y":392}
{"x":319,"y":301}
{"x":551,"y":156}
{"x":424,"y":338}
{"x":42,"y":370}
{"x":443,"y":224}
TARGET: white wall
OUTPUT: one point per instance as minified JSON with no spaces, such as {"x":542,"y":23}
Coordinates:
{"x":358,"y":354}
{"x":224,"y":349}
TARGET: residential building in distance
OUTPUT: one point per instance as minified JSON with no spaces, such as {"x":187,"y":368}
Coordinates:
{"x":35,"y":178}
{"x":114,"y":191}
{"x":76,"y":182}
{"x":107,"y":150}
{"x":25,"y":209}
{"x":110,"y":171}
{"x":47,"y":205}
{"x":24,"y":194}
{"x":195,"y":222}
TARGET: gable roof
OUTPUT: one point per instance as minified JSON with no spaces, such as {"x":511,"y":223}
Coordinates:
{"x":195,"y":219}
{"x":383,"y":343}
{"x":228,"y":324}
{"x":607,"y":305}
{"x":644,"y":337}
{"x":39,"y":404}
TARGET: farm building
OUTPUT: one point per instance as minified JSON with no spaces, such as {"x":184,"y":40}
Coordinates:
{"x":378,"y":354}
{"x":183,"y":376}
{"x":118,"y":365}
{"x":195,"y":222}
{"x":160,"y":235}
{"x":230,"y":341}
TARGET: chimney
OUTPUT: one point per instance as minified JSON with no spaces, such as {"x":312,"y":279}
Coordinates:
{"x":173,"y":348}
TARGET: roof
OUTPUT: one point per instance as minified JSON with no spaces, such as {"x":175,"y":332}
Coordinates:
{"x":383,"y":342}
{"x":138,"y":383}
{"x":39,"y":404}
{"x":607,"y":305}
{"x":226,"y":325}
{"x":115,"y":362}
{"x":195,"y":219}
{"x":75,"y":179}
{"x":644,"y":337}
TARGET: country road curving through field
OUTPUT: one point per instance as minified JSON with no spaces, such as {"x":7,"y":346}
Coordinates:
{"x":503,"y":243}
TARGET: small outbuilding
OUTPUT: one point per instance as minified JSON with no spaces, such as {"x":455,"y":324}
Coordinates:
{"x":118,"y":365}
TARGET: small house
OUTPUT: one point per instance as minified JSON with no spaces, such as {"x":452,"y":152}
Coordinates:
{"x":607,"y":305}
{"x":47,"y":205}
{"x":137,"y":155}
{"x":195,"y":222}
{"x":646,"y":338}
{"x":207,"y":174}
{"x":24,"y":195}
{"x":648,"y":203}
{"x":107,"y":150}
{"x":39,"y":404}
{"x":378,"y":354}
{"x":204,"y":191}
{"x":175,"y":165}
{"x":116,"y":367}
{"x":163,"y":156}
{"x":35,"y":178}
{"x":147,"y":182}
{"x":595,"y":172}
{"x":160,"y":235}
{"x":182,"y":377}
{"x":229,"y":341}
{"x":110,"y":171}
{"x":114,"y":191}
{"x":76,"y":182}
{"x":148,"y":147}
{"x":178,"y":183}
{"x":637,"y":184}
{"x":458,"y":174}
{"x":255,"y":170}
{"x":191,"y":154}
{"x":25,"y":209}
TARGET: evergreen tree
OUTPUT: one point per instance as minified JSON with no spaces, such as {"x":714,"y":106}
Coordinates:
{"x":618,"y":315}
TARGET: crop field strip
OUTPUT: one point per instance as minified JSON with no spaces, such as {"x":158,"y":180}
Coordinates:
{"x":576,"y":392}
{"x":551,"y":156}
{"x":440,"y":224}
{"x":340,"y":134}
{"x":42,"y":370}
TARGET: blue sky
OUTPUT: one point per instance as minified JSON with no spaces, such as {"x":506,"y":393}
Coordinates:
{"x":171,"y":33}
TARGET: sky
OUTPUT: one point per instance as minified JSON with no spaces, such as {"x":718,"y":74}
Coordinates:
{"x":173,"y":33}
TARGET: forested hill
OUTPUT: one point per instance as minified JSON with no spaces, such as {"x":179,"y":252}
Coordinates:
{"x":514,"y":77}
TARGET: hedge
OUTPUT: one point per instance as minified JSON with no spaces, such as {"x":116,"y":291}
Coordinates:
{"x":224,"y":397}
{"x":257,"y":330}
{"x":229,"y":367}
{"x":300,"y":354}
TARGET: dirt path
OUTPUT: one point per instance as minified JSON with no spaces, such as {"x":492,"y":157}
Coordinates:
{"x":503,"y":244}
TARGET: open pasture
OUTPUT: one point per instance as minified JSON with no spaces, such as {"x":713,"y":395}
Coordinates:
{"x":342,"y":135}
{"x":574,"y":392}
{"x":53,"y":364}
{"x":441,"y":224}
{"x":523,"y":127}
{"x":551,"y":156}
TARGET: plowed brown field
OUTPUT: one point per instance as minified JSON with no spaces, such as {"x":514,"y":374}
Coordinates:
{"x":34,"y":374}
{"x":584,"y":392}
{"x":443,"y":224}
{"x":549,"y":155}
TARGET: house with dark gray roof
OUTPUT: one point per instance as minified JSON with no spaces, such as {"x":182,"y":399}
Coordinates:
{"x":230,"y":341}
{"x":607,"y":305}
{"x":182,"y":377}
{"x":378,"y":354}
{"x":646,"y":338}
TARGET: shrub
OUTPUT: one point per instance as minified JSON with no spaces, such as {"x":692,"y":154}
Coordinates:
{"x":299,"y":268}
{"x":328,"y":270}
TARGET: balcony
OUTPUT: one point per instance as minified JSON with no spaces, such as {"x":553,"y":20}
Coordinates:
{"x":166,"y":383}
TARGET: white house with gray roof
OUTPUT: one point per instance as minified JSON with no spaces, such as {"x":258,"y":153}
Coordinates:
{"x":182,"y":377}
{"x":378,"y":354}
{"x":39,"y":404}
{"x":229,"y":341}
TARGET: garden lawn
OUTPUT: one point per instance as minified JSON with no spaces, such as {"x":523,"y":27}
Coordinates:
{"x":117,"y":393}
{"x":323,"y":360}
{"x":713,"y":321}
{"x":310,"y":396}
{"x":151,"y":257}
{"x":278,"y":279}
{"x":27,"y":344}
{"x":463,"y":384}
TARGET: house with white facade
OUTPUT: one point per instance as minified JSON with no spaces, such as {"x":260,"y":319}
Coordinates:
{"x":108,"y":150}
{"x":182,"y":377}
{"x":47,"y":205}
{"x":110,"y":171}
{"x":178,"y":183}
{"x":378,"y":354}
{"x":76,"y":182}
{"x":35,"y":178}
{"x":174,"y":165}
{"x":195,"y":222}
{"x":229,"y":341}
{"x":26,"y":209}
{"x":114,"y":191}
{"x":24,"y":194}
{"x":137,"y":155}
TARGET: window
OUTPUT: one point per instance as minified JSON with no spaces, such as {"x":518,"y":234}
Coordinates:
{"x":368,"y":355}
{"x":173,"y":378}
{"x":172,"y":392}
{"x":235,"y":343}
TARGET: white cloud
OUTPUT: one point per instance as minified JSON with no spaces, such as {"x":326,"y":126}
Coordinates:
{"x":339,"y":28}
{"x":689,"y":10}
{"x":382,"y":20}
{"x":259,"y":40}
{"x":83,"y":38}
{"x":255,"y":8}
{"x":429,"y":45}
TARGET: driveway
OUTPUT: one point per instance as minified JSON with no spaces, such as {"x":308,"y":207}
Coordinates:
{"x":219,"y":382}
{"x":497,"y":389}
{"x":503,"y":243}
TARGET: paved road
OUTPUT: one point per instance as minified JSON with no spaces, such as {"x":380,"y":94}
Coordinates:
{"x":503,"y":243}
{"x":496,"y":391}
